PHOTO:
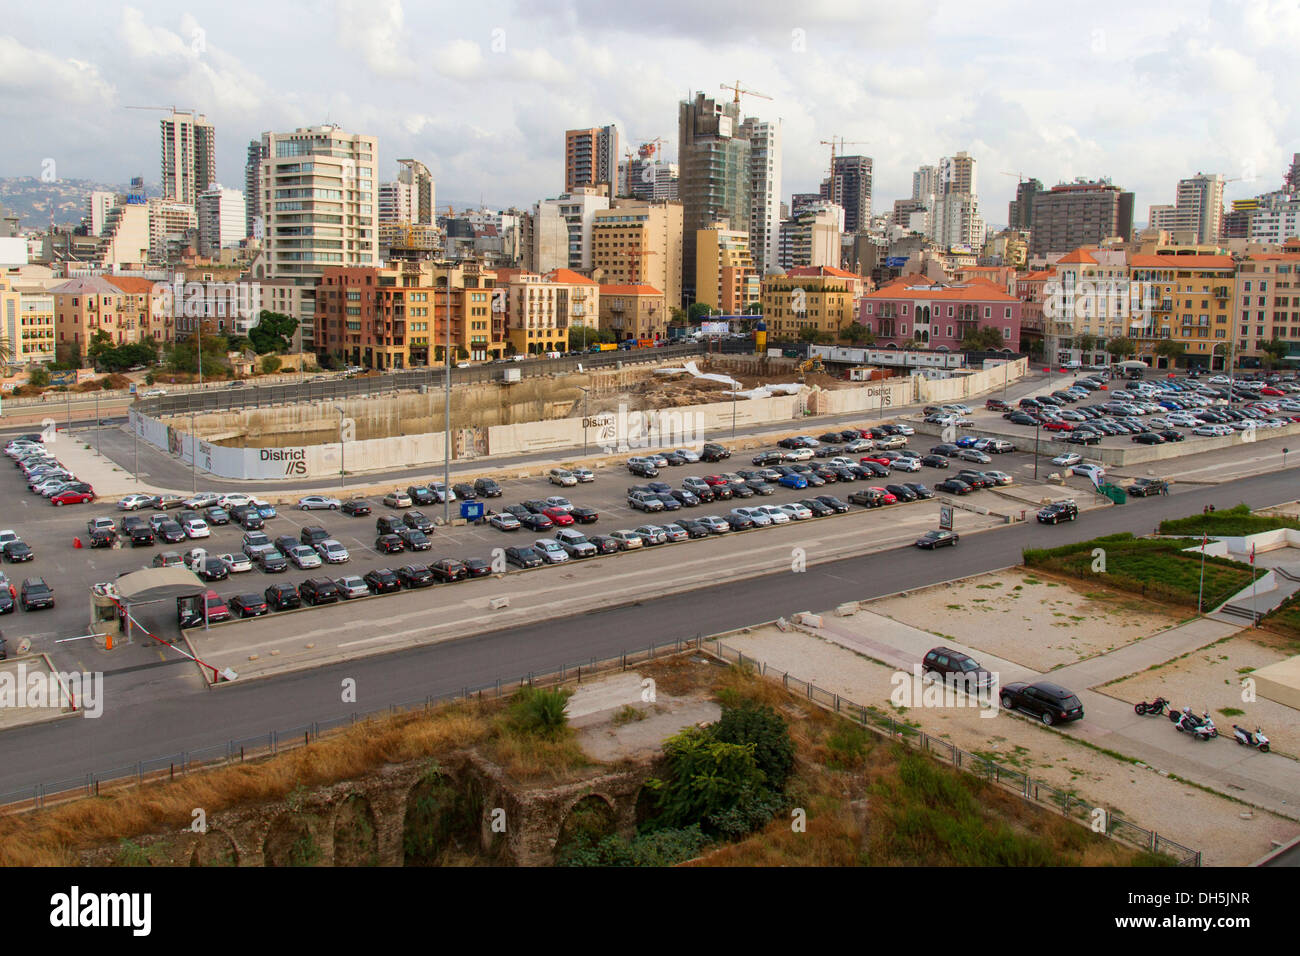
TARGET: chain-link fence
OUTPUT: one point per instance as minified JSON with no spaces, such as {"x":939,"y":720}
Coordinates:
{"x":1069,"y":804}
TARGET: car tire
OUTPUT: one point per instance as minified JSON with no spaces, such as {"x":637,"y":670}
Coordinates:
{"x":58,"y":504}
{"x":1047,"y":718}
{"x":334,"y":507}
{"x":1006,"y":702}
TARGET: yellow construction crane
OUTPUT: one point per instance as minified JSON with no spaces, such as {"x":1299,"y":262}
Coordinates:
{"x":842,"y":143}
{"x":738,"y":89}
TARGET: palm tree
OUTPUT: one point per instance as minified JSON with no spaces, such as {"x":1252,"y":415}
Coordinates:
{"x":6,"y":351}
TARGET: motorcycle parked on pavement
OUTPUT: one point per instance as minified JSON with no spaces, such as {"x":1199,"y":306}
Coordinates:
{"x":1155,"y":708}
{"x":1202,"y":728}
{"x":1248,"y":739}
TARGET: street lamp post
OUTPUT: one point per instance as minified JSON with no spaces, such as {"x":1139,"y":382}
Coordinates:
{"x":97,"y":423}
{"x":586,"y":394}
{"x":343,"y":450}
{"x":1036,"y":427}
{"x":446,"y":402}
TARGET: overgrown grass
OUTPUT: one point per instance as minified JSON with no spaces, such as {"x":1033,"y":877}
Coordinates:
{"x":1154,"y":568}
{"x":1229,"y":522}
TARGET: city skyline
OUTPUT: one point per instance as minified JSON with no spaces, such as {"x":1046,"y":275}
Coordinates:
{"x":1205,"y":71}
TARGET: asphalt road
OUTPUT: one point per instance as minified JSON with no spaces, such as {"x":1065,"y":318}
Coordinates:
{"x":171,"y":715}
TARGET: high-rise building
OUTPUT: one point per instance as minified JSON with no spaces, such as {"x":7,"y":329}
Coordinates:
{"x":562,"y":229}
{"x":189,"y":163}
{"x":925,"y":183}
{"x":957,"y":174}
{"x":98,"y":205}
{"x":591,"y":157}
{"x":1081,"y":213}
{"x":1197,"y":211}
{"x":173,"y":228}
{"x":1275,"y":218}
{"x":321,"y":207}
{"x":1020,"y":211}
{"x":639,"y":242}
{"x":221,"y":215}
{"x":648,"y":179}
{"x":724,"y":270}
{"x":850,"y":188}
{"x":1292,"y":181}
{"x":811,"y":238}
{"x":716,"y":175}
{"x":254,"y":225}
{"x":1236,"y":223}
{"x":764,"y":190}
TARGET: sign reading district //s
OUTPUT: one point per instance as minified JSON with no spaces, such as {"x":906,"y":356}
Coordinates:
{"x":295,"y":459}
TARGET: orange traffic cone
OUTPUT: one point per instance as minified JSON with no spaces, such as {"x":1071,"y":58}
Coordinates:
{"x":76,"y":542}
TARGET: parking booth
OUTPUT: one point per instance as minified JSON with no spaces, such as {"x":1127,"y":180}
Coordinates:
{"x":148,"y":586}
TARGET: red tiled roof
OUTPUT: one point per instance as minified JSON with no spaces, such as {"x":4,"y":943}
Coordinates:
{"x":135,"y":285}
{"x":568,"y":276}
{"x":629,"y":290}
{"x":1077,"y":256}
{"x":965,"y":291}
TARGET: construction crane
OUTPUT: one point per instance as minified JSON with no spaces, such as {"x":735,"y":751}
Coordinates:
{"x":164,"y":109}
{"x":650,"y":147}
{"x":738,"y":89}
{"x":639,"y":254}
{"x":842,"y":142}
{"x":1020,"y":176}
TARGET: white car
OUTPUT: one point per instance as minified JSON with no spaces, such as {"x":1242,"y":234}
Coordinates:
{"x":760,"y":517}
{"x":1212,"y":431}
{"x":204,"y":499}
{"x":153,"y":392}
{"x":1066,"y":459}
{"x":440,"y":492}
{"x":319,"y":503}
{"x":562,"y":477}
{"x":236,"y":563}
{"x":332,"y":551}
{"x":8,"y":535}
{"x":584,"y":475}
{"x":135,"y":502}
{"x":841,"y":462}
{"x":1093,"y":472}
{"x":1000,"y":477}
{"x":564,"y":504}
{"x":234,"y":500}
{"x":196,"y":528}
{"x":303,"y":557}
{"x":798,"y":454}
{"x":776,"y":514}
{"x":796,"y":511}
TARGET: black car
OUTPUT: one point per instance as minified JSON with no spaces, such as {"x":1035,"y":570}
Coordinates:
{"x":357,"y":508}
{"x":712,"y":451}
{"x":285,"y":543}
{"x":921,"y":491}
{"x":313,"y":535}
{"x":535,"y":522}
{"x":421,"y":495}
{"x":249,"y":518}
{"x":1083,"y":436}
{"x":272,"y":561}
{"x":739,"y":489}
{"x":1145,"y":487}
{"x":6,"y":605}
{"x":477,"y":567}
{"x":830,"y":437}
{"x":953,"y":486}
{"x":137,"y":531}
{"x":693,"y":528}
{"x":536,"y":505}
{"x":955,"y":667}
{"x":388,"y":524}
{"x":382,"y":581}
{"x":319,"y":591}
{"x":247,"y":605}
{"x":216,"y":515}
{"x":35,"y":593}
{"x":738,"y":522}
{"x":1058,"y":511}
{"x":764,"y":458}
{"x":282,"y":597}
{"x":1050,"y":703}
{"x":213,"y":569}
{"x":873,"y":469}
{"x":673,"y":458}
{"x":523,"y":557}
{"x":449,"y":569}
{"x":171,"y":532}
{"x":819,"y":508}
{"x":390,"y":544}
{"x":584,"y":515}
{"x":1170,"y":434}
{"x":976,"y":479}
{"x":463,"y":491}
{"x":18,"y":551}
{"x":415,"y":539}
{"x":1021,"y":418}
{"x":901,"y":492}
{"x":945,"y":450}
{"x":835,"y":504}
{"x":487,"y":488}
{"x":1147,"y":438}
{"x":937,"y":539}
{"x":417,"y":520}
{"x":415,"y":576}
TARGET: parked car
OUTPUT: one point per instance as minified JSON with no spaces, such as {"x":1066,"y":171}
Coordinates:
{"x":1057,"y":512}
{"x":1049,"y":702}
{"x":35,"y":593}
{"x":319,"y":503}
{"x":397,"y":499}
{"x":524,"y":557}
{"x":248,"y":605}
{"x":954,"y":666}
{"x":562,"y":477}
{"x":282,"y":596}
{"x":449,"y":570}
{"x":315,"y":591}
{"x":382,"y":581}
{"x":1144,"y":487}
{"x":487,"y":488}
{"x":351,"y":586}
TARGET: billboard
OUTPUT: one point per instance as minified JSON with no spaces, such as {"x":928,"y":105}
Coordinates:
{"x":715,"y":328}
{"x":895,"y":262}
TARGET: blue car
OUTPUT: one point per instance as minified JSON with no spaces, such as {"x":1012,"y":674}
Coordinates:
{"x":966,"y":441}
{"x":793,"y":481}
{"x":266,"y":510}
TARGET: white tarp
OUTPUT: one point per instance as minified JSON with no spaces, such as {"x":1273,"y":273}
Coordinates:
{"x":763,"y":391}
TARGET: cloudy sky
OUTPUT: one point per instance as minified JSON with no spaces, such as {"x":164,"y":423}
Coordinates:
{"x":1144,"y":93}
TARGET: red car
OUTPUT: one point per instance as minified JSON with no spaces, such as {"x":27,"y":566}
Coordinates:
{"x":1270,"y":390}
{"x":217,"y":609}
{"x":878,"y":459}
{"x":716,"y":481}
{"x":72,"y":497}
{"x":886,"y":497}
{"x":1058,"y":426}
{"x":561,"y":517}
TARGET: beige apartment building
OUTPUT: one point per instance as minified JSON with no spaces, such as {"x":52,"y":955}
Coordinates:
{"x":83,"y":307}
{"x":633,"y":311}
{"x":810,"y":297}
{"x":1192,"y":304}
{"x":26,"y":320}
{"x":639,"y":242}
{"x":1266,"y":303}
{"x":725,"y":277}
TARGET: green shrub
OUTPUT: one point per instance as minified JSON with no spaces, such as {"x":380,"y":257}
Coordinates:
{"x":760,"y":725}
{"x":539,"y":711}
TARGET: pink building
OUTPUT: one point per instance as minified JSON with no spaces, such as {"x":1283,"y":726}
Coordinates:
{"x":940,"y":315}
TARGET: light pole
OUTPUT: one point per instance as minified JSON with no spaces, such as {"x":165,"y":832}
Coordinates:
{"x":1037,"y":424}
{"x":97,"y":423}
{"x":343,"y":450}
{"x":586,"y":394}
{"x":446,"y":402}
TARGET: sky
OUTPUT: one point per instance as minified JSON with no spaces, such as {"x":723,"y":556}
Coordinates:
{"x":1142,"y":93}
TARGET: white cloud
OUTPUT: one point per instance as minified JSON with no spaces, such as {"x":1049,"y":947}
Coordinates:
{"x":377,"y":29}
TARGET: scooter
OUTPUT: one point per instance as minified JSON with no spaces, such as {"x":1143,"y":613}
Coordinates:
{"x":1202,"y":728}
{"x":1155,"y":708}
{"x":1246,"y":738}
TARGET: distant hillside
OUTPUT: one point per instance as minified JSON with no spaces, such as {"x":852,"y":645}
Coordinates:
{"x":34,"y":200}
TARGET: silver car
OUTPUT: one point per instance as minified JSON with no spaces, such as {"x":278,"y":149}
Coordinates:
{"x":332,"y":551}
{"x":551,"y":550}
{"x":352,"y":586}
{"x":652,"y":534}
{"x":575,"y":543}
{"x":760,"y":517}
{"x":303,"y":557}
{"x":674,"y":532}
{"x":235,"y":562}
{"x":584,"y":475}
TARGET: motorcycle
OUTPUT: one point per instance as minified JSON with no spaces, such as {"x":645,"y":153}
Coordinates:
{"x":1202,"y":728}
{"x":1247,"y":739}
{"x":1155,"y":708}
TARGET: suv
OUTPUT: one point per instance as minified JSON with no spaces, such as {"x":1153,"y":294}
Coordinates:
{"x":1049,"y":702}
{"x":714,"y":452}
{"x":313,"y":535}
{"x":389,"y":524}
{"x":137,"y":530}
{"x":642,"y":467}
{"x":487,"y":488}
{"x":318,"y":591}
{"x":646,"y":501}
{"x":1143,"y":487}
{"x":282,"y":597}
{"x":36,"y":593}
{"x":954,"y":666}
{"x":1058,"y":511}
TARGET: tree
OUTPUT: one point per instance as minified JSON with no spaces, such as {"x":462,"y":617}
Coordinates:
{"x":271,"y":364}
{"x":6,"y":350}
{"x":1086,"y":343}
{"x":754,"y":308}
{"x":1274,"y":352}
{"x":700,"y":311}
{"x":985,"y":339}
{"x":99,"y":343}
{"x":582,"y":336}
{"x":857,"y":333}
{"x":1121,"y":347}
{"x":38,"y":377}
{"x":273,"y":332}
{"x":705,"y":777}
{"x":1171,"y":349}
{"x":677,"y":316}
{"x":462,"y":353}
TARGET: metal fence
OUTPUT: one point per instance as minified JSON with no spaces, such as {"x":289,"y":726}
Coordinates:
{"x":332,"y":389}
{"x":1065,"y":802}
{"x":170,"y":766}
